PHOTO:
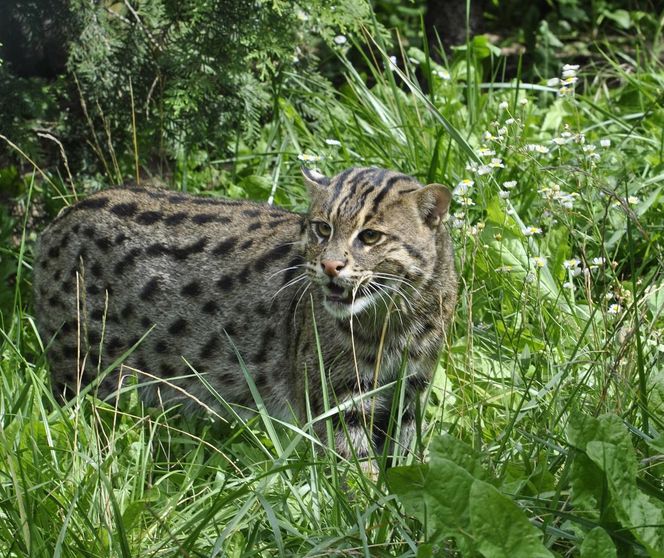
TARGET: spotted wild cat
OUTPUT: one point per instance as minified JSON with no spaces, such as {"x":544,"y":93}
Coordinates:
{"x":188,"y":283}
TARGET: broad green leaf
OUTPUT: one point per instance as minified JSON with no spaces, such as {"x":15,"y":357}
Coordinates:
{"x":409,"y":484}
{"x":609,"y":457}
{"x":501,"y":529}
{"x":452,"y":500}
{"x":452,"y":449}
{"x":598,"y":543}
{"x":588,"y":487}
{"x":634,"y":509}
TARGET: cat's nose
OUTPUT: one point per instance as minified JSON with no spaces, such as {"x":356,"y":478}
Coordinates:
{"x":331,"y":268}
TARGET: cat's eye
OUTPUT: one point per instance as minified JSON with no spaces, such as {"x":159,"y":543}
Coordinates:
{"x":322,"y":229}
{"x":369,"y":236}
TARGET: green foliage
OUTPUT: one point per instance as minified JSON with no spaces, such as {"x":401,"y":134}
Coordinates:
{"x":554,"y":375}
{"x":455,"y":497}
{"x":604,"y":481}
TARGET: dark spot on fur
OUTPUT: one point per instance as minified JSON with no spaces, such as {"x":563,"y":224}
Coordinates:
{"x":96,"y":269}
{"x":104,"y":244}
{"x":191,"y":289}
{"x":261,"y":381}
{"x":93,"y":289}
{"x":150,"y":289}
{"x":97,"y":314}
{"x":75,"y":228}
{"x":160,"y":347}
{"x":93,"y":203}
{"x":54,"y":301}
{"x":186,"y":251}
{"x":89,"y":232}
{"x":243,"y":276}
{"x":57,"y":274}
{"x":54,"y":252}
{"x":175,"y":219}
{"x":211,"y":347}
{"x":115,"y":343}
{"x":254,"y":226}
{"x":246,"y":244}
{"x":167,"y":371}
{"x":276,"y":222}
{"x":127,"y":262}
{"x":261,"y":356}
{"x":146,"y":322}
{"x":225,"y":246}
{"x":271,"y":256}
{"x":127,"y":311}
{"x":67,"y":327}
{"x":124,"y":209}
{"x":120,"y":238}
{"x":157,"y":249}
{"x":176,"y":199}
{"x":94,"y":337}
{"x":69,"y":351}
{"x":203,"y":218}
{"x":251,"y":212}
{"x":261,"y":309}
{"x":148,"y":217}
{"x":210,"y":307}
{"x":229,"y":329}
{"x":225,"y":283}
{"x":177,"y":327}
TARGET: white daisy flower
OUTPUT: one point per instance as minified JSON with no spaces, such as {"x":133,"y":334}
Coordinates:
{"x":307,"y":158}
{"x":463,"y":187}
{"x":539,"y":262}
{"x":530,"y":231}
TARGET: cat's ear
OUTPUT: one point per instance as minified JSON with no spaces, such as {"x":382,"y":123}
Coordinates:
{"x":314,"y":180}
{"x":433,"y":203}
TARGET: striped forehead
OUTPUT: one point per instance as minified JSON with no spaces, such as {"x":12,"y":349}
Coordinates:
{"x":364,"y":190}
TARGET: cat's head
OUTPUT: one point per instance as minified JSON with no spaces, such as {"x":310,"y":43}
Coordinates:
{"x":371,"y":236}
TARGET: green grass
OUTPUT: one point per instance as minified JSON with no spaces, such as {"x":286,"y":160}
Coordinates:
{"x":545,"y":416}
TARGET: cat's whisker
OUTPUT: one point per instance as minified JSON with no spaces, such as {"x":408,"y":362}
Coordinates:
{"x":401,"y":281}
{"x":397,"y":278}
{"x":402,"y":295}
{"x":285,"y":269}
{"x":297,"y":304}
{"x":378,"y":288}
{"x":290,"y":283}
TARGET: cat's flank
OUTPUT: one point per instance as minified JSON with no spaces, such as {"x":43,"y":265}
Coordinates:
{"x":364,"y":283}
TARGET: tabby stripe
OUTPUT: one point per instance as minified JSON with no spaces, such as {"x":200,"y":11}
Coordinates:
{"x":360,"y":204}
{"x":388,"y":186}
{"x":341,"y":180}
{"x":414,"y":252}
{"x":351,"y":187}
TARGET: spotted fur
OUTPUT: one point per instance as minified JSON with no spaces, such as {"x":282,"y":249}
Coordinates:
{"x":196,"y":288}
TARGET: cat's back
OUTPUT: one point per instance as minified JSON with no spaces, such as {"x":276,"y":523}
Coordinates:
{"x":187,"y":273}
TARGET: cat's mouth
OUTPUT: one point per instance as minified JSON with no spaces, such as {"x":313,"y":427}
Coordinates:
{"x":339,"y":294}
{"x":343,"y":301}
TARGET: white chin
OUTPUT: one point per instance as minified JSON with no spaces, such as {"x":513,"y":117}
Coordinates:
{"x":344,"y":310}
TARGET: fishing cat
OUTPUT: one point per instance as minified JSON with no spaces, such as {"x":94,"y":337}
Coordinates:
{"x":359,"y":291}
